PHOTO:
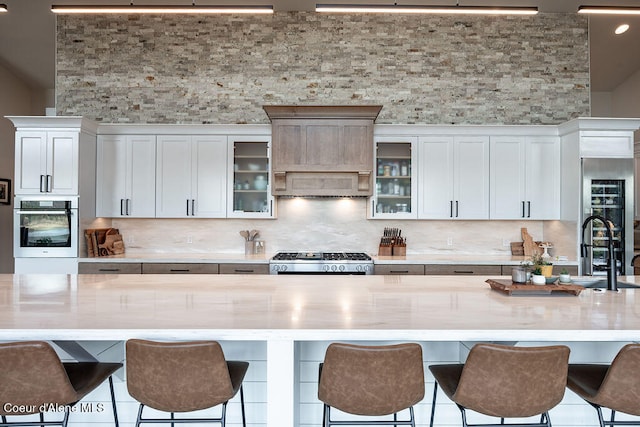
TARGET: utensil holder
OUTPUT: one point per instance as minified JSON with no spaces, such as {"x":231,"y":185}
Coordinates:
{"x":249,"y":247}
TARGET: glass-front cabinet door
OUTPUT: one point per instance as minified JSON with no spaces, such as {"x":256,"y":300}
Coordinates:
{"x":250,"y":192}
{"x":395,"y":191}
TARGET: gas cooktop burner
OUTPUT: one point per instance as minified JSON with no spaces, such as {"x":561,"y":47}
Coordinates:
{"x":322,"y":256}
{"x":312,"y":262}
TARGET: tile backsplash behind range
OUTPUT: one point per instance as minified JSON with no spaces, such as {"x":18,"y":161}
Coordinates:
{"x":329,"y":224}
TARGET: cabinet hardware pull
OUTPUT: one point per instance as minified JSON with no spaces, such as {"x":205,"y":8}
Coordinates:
{"x":187,"y":207}
{"x":121,"y":206}
{"x":108,"y":269}
{"x":529,"y":209}
{"x":179,"y":270}
{"x":399,"y":271}
{"x":451,"y":208}
{"x":128,"y":206}
{"x":523,"y":209}
{"x":463,"y":271}
{"x":238,"y":270}
{"x":456,"y":209}
{"x":42,"y":189}
{"x":49,"y":184}
{"x":193,"y":207}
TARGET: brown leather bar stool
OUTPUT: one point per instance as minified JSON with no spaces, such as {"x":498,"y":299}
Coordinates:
{"x":371,"y":381}
{"x":505,"y":381}
{"x":615,"y":386}
{"x":33,"y":380}
{"x":182,"y":377}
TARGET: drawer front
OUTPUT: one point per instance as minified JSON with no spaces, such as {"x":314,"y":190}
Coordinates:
{"x":463,"y":270}
{"x":414,"y":269}
{"x":244,"y":268}
{"x":179,"y":268}
{"x":109,"y":268}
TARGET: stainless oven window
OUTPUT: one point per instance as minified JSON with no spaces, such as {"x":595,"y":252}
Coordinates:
{"x":39,"y":229}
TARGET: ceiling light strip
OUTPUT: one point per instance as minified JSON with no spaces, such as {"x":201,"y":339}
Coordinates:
{"x":95,"y":9}
{"x":477,"y":10}
{"x":609,"y":10}
{"x":3,"y":8}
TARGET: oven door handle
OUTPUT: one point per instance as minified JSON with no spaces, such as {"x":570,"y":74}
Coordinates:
{"x":68,"y":212}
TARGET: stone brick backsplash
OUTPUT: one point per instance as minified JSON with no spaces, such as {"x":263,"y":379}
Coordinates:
{"x":223,"y":69}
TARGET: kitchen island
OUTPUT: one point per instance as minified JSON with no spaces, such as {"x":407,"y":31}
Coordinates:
{"x":286,"y":314}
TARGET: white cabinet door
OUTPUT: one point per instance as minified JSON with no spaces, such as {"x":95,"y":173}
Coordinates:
{"x":525,"y":177}
{"x":209,"y":176}
{"x":47,"y":162}
{"x":436,"y":176}
{"x":507,"y":183}
{"x":125,"y":179}
{"x":454,"y":177}
{"x":471,"y":180}
{"x":191,"y":176}
{"x":543,"y":177}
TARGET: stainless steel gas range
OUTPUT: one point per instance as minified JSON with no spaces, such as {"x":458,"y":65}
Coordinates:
{"x":312,"y":262}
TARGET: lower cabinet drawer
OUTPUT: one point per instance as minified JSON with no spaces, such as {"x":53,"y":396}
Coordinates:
{"x":417,"y":269}
{"x":109,"y":268}
{"x":179,"y":268}
{"x":244,"y":268}
{"x":463,"y":270}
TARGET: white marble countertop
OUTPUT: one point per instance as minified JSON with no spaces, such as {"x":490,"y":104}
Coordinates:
{"x":292,"y":307}
{"x":444,"y":259}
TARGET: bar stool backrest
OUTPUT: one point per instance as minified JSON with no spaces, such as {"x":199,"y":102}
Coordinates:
{"x":506,"y":381}
{"x":32,"y":375}
{"x":177,"y":377}
{"x":372,"y":380}
{"x":620,"y":389}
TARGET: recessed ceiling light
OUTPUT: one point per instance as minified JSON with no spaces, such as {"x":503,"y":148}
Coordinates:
{"x":622,"y":28}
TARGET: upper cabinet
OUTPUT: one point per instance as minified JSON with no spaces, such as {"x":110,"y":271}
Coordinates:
{"x":454,"y":177}
{"x":395,"y":193}
{"x":191,"y":176}
{"x":126,"y":176}
{"x":525,"y":177}
{"x":54,"y":155}
{"x":249,"y":194}
{"x":322,"y":150}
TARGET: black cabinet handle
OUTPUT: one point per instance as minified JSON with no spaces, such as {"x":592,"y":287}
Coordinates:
{"x":179,"y":270}
{"x":529,"y":209}
{"x":399,"y":271}
{"x":49,"y":184}
{"x":456,"y":209}
{"x":121,"y":206}
{"x":462,"y":271}
{"x":109,"y":269}
{"x":523,"y":209}
{"x":187,"y":207}
{"x":193,"y":207}
{"x":451,"y":208}
{"x":238,"y":270}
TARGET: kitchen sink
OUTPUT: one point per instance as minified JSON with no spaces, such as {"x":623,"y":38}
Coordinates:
{"x":602,"y":283}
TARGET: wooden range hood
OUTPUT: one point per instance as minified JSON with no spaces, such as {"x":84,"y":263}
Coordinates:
{"x":324,"y":151}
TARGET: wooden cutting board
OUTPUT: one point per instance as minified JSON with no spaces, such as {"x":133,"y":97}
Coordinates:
{"x":511,"y":288}
{"x":530,"y":247}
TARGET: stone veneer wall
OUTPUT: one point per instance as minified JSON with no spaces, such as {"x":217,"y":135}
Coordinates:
{"x":222,"y":69}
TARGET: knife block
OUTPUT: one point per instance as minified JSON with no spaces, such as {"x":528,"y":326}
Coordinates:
{"x":399,"y":250}
{"x":385,"y":250}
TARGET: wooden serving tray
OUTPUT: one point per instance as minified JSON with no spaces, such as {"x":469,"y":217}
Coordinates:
{"x":511,"y":288}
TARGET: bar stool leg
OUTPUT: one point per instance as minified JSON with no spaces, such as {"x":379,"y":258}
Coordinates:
{"x":113,"y":402}
{"x":433,"y":403}
{"x":139,"y":419}
{"x":172,"y":417}
{"x":244,"y":421}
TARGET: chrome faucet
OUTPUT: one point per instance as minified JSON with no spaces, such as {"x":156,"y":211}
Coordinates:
{"x":612,"y":279}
